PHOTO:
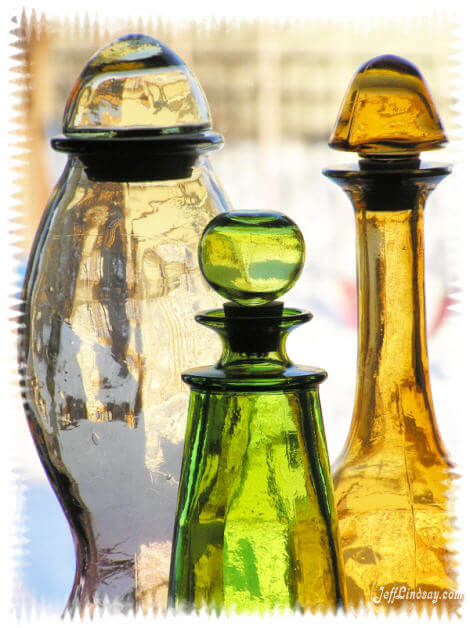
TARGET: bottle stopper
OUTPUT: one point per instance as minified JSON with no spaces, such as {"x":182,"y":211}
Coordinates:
{"x":133,"y":85}
{"x":137,"y":113}
{"x":388,"y":112}
{"x":251,"y":258}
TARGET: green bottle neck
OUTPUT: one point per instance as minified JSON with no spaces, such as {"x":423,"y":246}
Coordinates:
{"x":254,"y":355}
{"x":254,"y":338}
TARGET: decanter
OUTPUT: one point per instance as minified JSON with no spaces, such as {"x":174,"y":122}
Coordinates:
{"x":110,"y":293}
{"x":256,"y":525}
{"x":393,"y":476}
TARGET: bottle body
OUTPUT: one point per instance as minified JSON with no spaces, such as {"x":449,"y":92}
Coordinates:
{"x":393,"y":478}
{"x":109,"y":299}
{"x":256,"y":525}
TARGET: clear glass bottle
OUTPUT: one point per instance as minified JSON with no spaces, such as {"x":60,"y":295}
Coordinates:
{"x":393,"y":477}
{"x":110,"y":293}
{"x":256,"y":523}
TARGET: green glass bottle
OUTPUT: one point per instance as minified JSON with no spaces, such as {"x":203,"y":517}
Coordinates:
{"x":256,"y":524}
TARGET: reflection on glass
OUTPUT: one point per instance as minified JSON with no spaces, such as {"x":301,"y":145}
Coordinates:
{"x":256,"y":525}
{"x":135,"y":83}
{"x":393,"y":478}
{"x":110,"y":294}
{"x":387,"y":110}
{"x":256,"y":269}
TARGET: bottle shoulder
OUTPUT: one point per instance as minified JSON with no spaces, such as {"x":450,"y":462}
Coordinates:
{"x":213,"y":378}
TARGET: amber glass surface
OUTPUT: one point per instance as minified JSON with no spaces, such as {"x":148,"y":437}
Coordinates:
{"x":251,"y":257}
{"x":387,"y":110}
{"x":135,"y":83}
{"x":256,"y":524}
{"x":393,"y":479}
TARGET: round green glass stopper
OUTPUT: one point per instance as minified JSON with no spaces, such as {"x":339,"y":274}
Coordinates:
{"x":251,"y":258}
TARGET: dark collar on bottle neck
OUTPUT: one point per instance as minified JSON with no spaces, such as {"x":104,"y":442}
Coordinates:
{"x":139,"y":157}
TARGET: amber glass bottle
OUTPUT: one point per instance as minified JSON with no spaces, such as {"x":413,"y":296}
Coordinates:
{"x":393,"y":476}
{"x":256,"y":524}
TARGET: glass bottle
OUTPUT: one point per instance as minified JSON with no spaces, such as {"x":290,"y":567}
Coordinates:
{"x":393,"y":476}
{"x":256,"y":524}
{"x":110,"y":294}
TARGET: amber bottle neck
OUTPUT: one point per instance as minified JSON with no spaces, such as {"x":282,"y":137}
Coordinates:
{"x":393,"y":395}
{"x":390,"y":282}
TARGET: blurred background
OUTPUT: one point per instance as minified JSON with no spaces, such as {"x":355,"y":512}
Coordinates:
{"x":274,"y":90}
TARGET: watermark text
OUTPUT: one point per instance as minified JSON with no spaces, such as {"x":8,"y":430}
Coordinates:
{"x":396,"y":594}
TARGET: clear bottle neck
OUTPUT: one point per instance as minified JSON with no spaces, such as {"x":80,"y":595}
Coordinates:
{"x":160,"y":172}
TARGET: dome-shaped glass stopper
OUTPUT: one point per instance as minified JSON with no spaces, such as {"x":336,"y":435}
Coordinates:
{"x":135,"y":84}
{"x":251,"y":258}
{"x":388,"y":111}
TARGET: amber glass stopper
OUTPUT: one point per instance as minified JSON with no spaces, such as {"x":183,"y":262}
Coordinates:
{"x":135,"y":84}
{"x":251,"y":258}
{"x":388,"y":112}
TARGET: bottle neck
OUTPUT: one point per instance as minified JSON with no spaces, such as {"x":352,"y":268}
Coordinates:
{"x":272,"y":360}
{"x":139,"y":156}
{"x":254,"y":339}
{"x":392,"y":352}
{"x":109,"y":166}
{"x":393,"y":403}
{"x":254,"y":354}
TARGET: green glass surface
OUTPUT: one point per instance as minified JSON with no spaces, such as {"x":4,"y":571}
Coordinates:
{"x":251,"y":258}
{"x":256,"y":523}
